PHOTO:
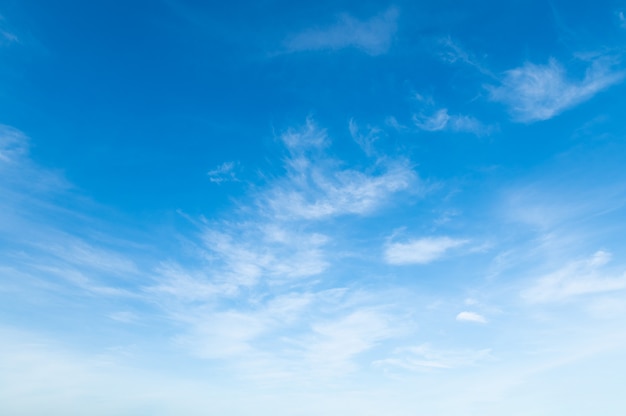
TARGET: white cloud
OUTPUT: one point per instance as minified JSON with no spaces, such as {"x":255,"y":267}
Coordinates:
{"x":373,"y":36}
{"x":539,"y":92}
{"x":442,"y":121}
{"x":249,"y":289}
{"x":471,"y":317}
{"x":223,"y":173}
{"x":578,"y":278}
{"x":336,"y":343}
{"x":420,"y":251}
{"x":315,"y":188}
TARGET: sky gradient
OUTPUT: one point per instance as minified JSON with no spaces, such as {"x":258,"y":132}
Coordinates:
{"x":272,"y":208}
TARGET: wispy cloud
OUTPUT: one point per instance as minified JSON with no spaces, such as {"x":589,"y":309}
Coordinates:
{"x":441,"y":120}
{"x":366,"y":140}
{"x":316,"y":188}
{"x":270,"y":262}
{"x":621,"y":18}
{"x":466,"y":316}
{"x":13,"y":145}
{"x":578,"y":278}
{"x":223,"y":173}
{"x":420,"y":251}
{"x":453,"y":52}
{"x":373,"y":36}
{"x":335,"y":343}
{"x":6,"y":34}
{"x":424,"y":357}
{"x":539,"y":92}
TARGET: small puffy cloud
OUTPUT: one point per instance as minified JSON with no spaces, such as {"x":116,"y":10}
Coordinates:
{"x":420,"y":251}
{"x":373,"y":36}
{"x":471,"y":317}
{"x":442,"y":121}
{"x":539,"y":92}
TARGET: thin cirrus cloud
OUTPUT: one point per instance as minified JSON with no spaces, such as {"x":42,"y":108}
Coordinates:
{"x":535,"y":92}
{"x":373,"y":36}
{"x":223,"y":173}
{"x":315,"y":188}
{"x":6,"y":34}
{"x":575,"y":279}
{"x":420,"y":251}
{"x":248,"y":293}
{"x":441,"y":120}
{"x":275,"y":243}
{"x":425,"y":357}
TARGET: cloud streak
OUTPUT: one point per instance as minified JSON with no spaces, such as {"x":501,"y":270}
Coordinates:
{"x":535,"y":92}
{"x":420,"y":251}
{"x":441,"y":120}
{"x":575,"y":279}
{"x":223,"y":173}
{"x":373,"y":36}
{"x":316,"y":189}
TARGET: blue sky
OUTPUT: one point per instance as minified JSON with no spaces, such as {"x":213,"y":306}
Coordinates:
{"x":343,"y":207}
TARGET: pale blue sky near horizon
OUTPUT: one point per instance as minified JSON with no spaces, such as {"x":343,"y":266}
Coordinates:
{"x":278,"y":208}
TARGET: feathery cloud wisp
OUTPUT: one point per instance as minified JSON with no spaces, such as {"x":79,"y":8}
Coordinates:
{"x":539,"y":92}
{"x":223,"y":173}
{"x":442,"y":121}
{"x":373,"y":36}
{"x":577,"y":278}
{"x":421,"y":251}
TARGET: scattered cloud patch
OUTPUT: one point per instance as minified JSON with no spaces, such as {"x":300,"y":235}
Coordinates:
{"x":316,"y":188}
{"x":441,"y":120}
{"x":539,"y":92}
{"x":420,"y":251}
{"x":269,"y":254}
{"x":373,"y":36}
{"x":452,"y":52}
{"x":578,"y":278}
{"x":366,"y":139}
{"x":471,"y":317}
{"x":223,"y":173}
